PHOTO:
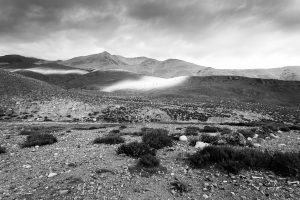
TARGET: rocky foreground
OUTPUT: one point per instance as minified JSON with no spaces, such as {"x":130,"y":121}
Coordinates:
{"x":76,"y":168}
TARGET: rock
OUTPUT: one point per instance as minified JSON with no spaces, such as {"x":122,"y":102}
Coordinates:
{"x":63,"y":192}
{"x":26,"y":166}
{"x":249,"y":139}
{"x":52,"y":174}
{"x":201,"y":145}
{"x":183,"y":138}
{"x":255,"y":136}
{"x":205,"y":196}
{"x":256,"y":145}
{"x":274,"y":136}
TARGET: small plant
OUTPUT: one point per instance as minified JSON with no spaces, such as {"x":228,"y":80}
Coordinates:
{"x":39,"y":140}
{"x":2,"y":150}
{"x":115,"y":131}
{"x":294,"y":127}
{"x":179,"y":186}
{"x":210,"y":129}
{"x":225,"y":131}
{"x":284,"y":128}
{"x":211,"y":139}
{"x":135,"y":149}
{"x":109,"y":140}
{"x":192,"y":130}
{"x":247,"y":132}
{"x":157,"y":138}
{"x":148,"y":161}
{"x":123,"y":127}
{"x":193,"y":141}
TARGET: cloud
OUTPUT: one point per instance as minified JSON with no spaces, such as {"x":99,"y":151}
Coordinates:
{"x":218,"y":33}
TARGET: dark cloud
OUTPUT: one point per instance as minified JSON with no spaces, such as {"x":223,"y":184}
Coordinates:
{"x":158,"y":28}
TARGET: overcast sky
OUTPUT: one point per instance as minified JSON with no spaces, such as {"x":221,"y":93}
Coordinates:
{"x":215,"y":33}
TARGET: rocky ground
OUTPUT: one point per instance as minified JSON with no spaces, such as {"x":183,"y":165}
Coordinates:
{"x":75,"y":168}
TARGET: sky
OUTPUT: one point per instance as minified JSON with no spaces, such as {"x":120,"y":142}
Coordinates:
{"x":234,"y":34}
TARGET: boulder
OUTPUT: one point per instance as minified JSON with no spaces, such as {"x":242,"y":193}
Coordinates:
{"x":183,"y":138}
{"x":200,"y":145}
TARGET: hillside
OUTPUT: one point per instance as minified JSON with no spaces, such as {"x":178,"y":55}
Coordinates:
{"x":99,"y":79}
{"x":233,"y":88}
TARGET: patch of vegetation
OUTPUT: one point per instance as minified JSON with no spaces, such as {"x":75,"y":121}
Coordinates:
{"x":40,"y":129}
{"x":211,"y":139}
{"x":157,"y":138}
{"x":247,"y":132}
{"x":147,"y":165}
{"x":148,"y":161}
{"x":135,"y":149}
{"x":248,"y":124}
{"x":224,"y":131}
{"x":123,"y":127}
{"x":192,"y":130}
{"x":180,"y":187}
{"x":39,"y":140}
{"x":81,"y":128}
{"x":2,"y":150}
{"x":234,"y":160}
{"x":210,"y":129}
{"x":284,"y":128}
{"x":109,"y":140}
{"x":115,"y":131}
{"x":294,"y":127}
{"x":193,"y":141}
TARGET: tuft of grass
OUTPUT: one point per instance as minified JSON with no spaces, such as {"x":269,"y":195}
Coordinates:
{"x":234,"y":160}
{"x":109,"y":140}
{"x":294,"y":127}
{"x":284,"y":128}
{"x":2,"y":150}
{"x":157,"y":138}
{"x":39,"y":139}
{"x":148,"y":161}
{"x":135,"y":149}
{"x":179,"y":186}
{"x":192,"y":130}
{"x":210,"y":129}
{"x":211,"y":139}
{"x":247,"y":132}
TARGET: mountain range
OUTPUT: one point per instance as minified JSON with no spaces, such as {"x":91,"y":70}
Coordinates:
{"x":145,"y":76}
{"x":140,"y":65}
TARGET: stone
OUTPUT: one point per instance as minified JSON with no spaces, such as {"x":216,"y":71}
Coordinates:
{"x":255,"y":136}
{"x":201,"y":145}
{"x":256,"y":145}
{"x":26,"y":166}
{"x":274,"y":136}
{"x":205,"y":196}
{"x":183,"y":138}
{"x":52,"y":174}
{"x":63,"y":192}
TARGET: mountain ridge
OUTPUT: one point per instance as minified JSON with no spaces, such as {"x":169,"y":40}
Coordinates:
{"x":168,"y":68}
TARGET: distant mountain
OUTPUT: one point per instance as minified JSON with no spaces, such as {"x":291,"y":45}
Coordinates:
{"x":291,"y":73}
{"x":141,"y":65}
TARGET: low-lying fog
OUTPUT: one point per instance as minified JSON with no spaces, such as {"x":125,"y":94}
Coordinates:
{"x":146,"y":83}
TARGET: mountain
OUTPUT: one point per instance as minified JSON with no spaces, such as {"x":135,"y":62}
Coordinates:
{"x":291,"y":73}
{"x":173,"y":67}
{"x":140,"y":65}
